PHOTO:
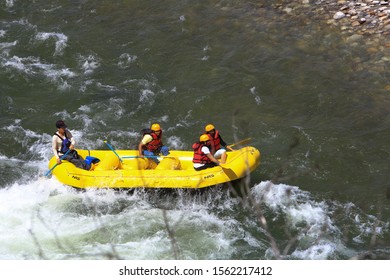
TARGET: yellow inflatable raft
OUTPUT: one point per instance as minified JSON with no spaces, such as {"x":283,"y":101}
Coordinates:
{"x":124,"y":169}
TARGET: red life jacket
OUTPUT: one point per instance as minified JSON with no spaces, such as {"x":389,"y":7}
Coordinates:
{"x":156,"y":143}
{"x":199,"y":156}
{"x":216,"y":140}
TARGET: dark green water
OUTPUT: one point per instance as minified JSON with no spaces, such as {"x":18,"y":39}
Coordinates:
{"x":316,"y":106}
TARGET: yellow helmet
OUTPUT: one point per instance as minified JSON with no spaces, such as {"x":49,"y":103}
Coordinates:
{"x":155,"y":127}
{"x":209,"y":127}
{"x":204,"y":138}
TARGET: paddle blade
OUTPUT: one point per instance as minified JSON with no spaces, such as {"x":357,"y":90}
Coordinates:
{"x":242,"y":142}
{"x":48,"y":173}
{"x":224,"y":166}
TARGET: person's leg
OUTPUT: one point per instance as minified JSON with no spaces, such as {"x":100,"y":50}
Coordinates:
{"x":151,"y":155}
{"x":164,"y":150}
{"x":80,"y":163}
{"x":221,"y":154}
{"x":207,"y":165}
{"x":77,"y":160}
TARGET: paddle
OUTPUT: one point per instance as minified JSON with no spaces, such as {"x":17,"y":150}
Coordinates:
{"x":240,"y":142}
{"x":148,"y":157}
{"x":141,"y":157}
{"x":112,"y":149}
{"x":223,"y":165}
{"x":55,"y":165}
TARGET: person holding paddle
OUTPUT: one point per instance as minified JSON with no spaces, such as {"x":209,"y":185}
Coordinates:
{"x":202,"y":155}
{"x":151,"y":143}
{"x":63,"y":146}
{"x":218,"y":146}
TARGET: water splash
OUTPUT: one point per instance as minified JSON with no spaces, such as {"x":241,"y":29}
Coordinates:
{"x":312,"y":226}
{"x":60,"y":40}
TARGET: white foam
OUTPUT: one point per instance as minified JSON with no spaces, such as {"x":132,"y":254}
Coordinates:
{"x":320,"y":251}
{"x":33,"y":66}
{"x":89,"y":64}
{"x":256,"y":96}
{"x":310,"y":219}
{"x":16,"y":63}
{"x":126,"y":60}
{"x":9,"y":3}
{"x":70,"y":224}
{"x":147,"y":96}
{"x":175,"y":143}
{"x":7,"y":45}
{"x":61,"y":40}
{"x":66,"y":223}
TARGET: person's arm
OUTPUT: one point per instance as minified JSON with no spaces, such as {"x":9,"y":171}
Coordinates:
{"x":209,"y":155}
{"x":54,"y":146}
{"x":55,"y":149}
{"x":229,"y":148}
{"x":223,"y":144}
{"x":140,"y":145}
{"x":145,"y":140}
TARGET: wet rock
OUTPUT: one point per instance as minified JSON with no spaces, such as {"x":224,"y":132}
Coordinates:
{"x":362,"y":20}
{"x":368,"y":17}
{"x":355,"y":38}
{"x":339,"y":15}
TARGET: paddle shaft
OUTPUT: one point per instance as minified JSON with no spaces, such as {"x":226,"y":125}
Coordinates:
{"x":112,"y":149}
{"x":148,"y":157}
{"x":55,"y":165}
{"x":232,"y":145}
{"x":140,"y":157}
{"x":241,"y":142}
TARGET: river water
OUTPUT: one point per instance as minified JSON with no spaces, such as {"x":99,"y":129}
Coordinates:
{"x":316,"y":107}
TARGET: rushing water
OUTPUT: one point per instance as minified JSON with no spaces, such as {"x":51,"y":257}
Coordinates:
{"x":316,"y":106}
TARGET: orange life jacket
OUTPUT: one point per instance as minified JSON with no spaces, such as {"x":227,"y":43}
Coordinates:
{"x":156,"y":143}
{"x":199,"y":156}
{"x":216,"y":141}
